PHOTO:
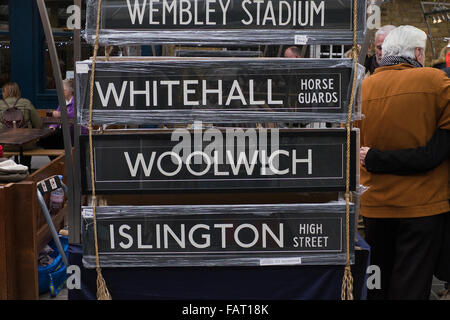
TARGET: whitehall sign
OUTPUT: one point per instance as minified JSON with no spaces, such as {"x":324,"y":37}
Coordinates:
{"x":216,"y":90}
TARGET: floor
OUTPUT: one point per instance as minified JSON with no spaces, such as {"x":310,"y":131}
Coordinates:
{"x":61,"y":296}
{"x":39,"y":162}
{"x":437,"y":287}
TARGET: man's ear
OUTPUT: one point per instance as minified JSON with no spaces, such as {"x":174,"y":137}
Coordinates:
{"x":417,"y":53}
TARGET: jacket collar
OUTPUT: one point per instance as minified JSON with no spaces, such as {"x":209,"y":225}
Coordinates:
{"x":401,"y":66}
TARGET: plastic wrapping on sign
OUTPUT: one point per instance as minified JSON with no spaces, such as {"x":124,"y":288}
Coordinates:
{"x":218,"y":90}
{"x":360,"y":190}
{"x":218,"y":235}
{"x":225,"y":22}
{"x":219,"y":160}
{"x":217,"y":53}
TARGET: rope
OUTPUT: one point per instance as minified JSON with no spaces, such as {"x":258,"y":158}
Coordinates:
{"x":108,"y":50}
{"x":347,"y":280}
{"x":102,"y":289}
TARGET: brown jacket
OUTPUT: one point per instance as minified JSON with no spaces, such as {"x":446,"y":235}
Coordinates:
{"x":403,"y":107}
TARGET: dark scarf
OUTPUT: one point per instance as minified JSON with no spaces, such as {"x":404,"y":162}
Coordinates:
{"x":393,"y":60}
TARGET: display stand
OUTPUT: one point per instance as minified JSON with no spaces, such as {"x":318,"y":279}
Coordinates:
{"x":126,"y":91}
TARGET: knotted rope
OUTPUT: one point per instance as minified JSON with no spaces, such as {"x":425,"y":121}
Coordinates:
{"x":347,"y":280}
{"x":102,"y":289}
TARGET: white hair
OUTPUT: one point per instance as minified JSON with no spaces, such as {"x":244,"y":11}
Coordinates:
{"x":384,"y":30}
{"x":68,"y":83}
{"x":403,"y":40}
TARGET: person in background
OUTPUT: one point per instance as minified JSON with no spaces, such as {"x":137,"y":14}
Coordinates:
{"x":292,"y":52}
{"x":416,"y":161}
{"x":373,"y":62}
{"x":12,"y":97}
{"x":70,"y":107}
{"x":56,"y":141}
{"x":440,"y":62}
{"x":404,"y":105}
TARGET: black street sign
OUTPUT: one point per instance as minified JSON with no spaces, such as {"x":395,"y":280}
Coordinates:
{"x":213,"y":160}
{"x":225,"y":21}
{"x":262,"y":235}
{"x":228,"y":90}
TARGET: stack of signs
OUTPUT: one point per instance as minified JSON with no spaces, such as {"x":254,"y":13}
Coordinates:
{"x":219,"y":158}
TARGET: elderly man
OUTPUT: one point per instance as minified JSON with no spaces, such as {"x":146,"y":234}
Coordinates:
{"x":373,"y":62}
{"x":404,"y":104}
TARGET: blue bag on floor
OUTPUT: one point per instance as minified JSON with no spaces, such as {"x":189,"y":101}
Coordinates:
{"x":53,"y":277}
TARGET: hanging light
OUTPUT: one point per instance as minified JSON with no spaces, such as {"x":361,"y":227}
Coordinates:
{"x":434,"y":19}
{"x":439,"y":19}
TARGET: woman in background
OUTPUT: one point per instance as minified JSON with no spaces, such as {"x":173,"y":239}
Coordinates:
{"x":56,"y":141}
{"x":12,"y":97}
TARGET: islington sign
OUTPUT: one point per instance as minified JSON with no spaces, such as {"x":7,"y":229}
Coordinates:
{"x":216,"y":90}
{"x":217,"y":235}
{"x":213,"y":160}
{"x":225,"y":21}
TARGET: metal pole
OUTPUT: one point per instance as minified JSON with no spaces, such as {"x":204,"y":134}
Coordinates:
{"x":430,"y":36}
{"x":74,"y":217}
{"x":52,"y":227}
{"x":61,"y":99}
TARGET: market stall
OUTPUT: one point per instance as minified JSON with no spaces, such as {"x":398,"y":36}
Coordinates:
{"x":202,"y":149}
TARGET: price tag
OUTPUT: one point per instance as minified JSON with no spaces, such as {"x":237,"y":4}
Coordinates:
{"x":279,"y":261}
{"x":301,"y":39}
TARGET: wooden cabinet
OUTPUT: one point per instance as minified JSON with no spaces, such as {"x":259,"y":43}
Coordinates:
{"x":24,"y":233}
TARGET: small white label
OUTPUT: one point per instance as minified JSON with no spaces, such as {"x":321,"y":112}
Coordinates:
{"x":87,"y":213}
{"x":301,"y":39}
{"x":53,"y":183}
{"x":70,"y":74}
{"x":279,"y":261}
{"x":82,"y":68}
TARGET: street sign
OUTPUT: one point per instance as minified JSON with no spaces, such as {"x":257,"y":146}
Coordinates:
{"x":221,"y":235}
{"x":220,"y":160}
{"x":225,"y":21}
{"x":227,"y":90}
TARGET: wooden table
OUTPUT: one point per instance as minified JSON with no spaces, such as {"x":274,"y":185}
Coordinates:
{"x":53,"y":120}
{"x":22,"y":136}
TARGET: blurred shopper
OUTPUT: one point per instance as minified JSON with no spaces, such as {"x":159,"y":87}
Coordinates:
{"x":29,"y":118}
{"x":12,"y":98}
{"x":440,"y":62}
{"x":373,"y":62}
{"x":404,"y":105}
{"x":56,"y":141}
{"x":292,"y":52}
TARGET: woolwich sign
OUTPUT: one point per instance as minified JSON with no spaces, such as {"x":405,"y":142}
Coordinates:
{"x":217,"y":235}
{"x":217,"y":90}
{"x":225,"y":21}
{"x":214,"y":160}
